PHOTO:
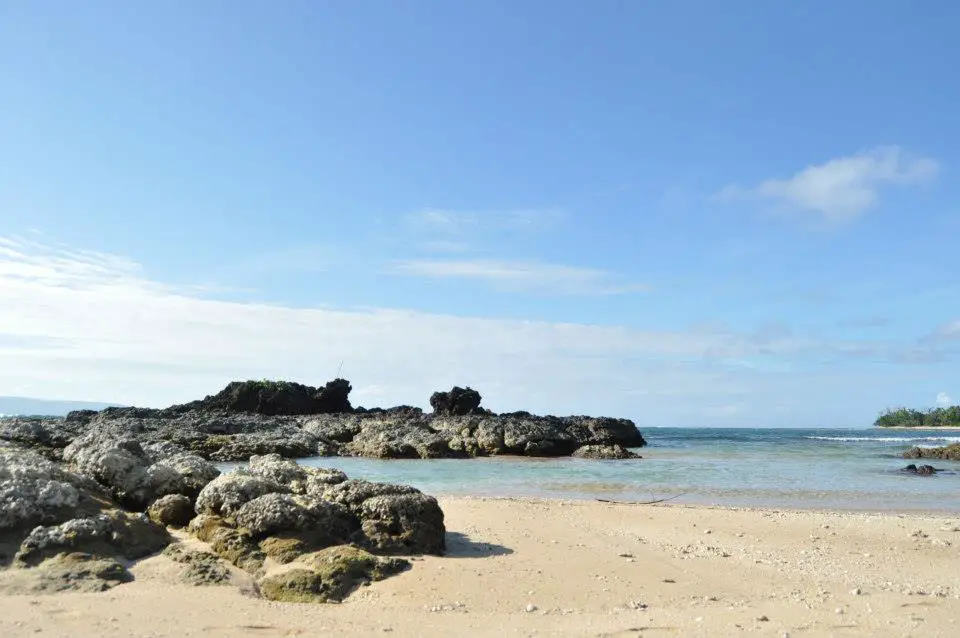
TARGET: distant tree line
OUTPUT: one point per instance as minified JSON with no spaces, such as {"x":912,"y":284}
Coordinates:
{"x":907,"y":418}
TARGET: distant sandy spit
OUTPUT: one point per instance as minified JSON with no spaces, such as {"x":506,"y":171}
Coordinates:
{"x":525,"y":567}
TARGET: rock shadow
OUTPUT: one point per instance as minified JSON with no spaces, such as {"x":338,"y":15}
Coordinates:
{"x":462,"y":546}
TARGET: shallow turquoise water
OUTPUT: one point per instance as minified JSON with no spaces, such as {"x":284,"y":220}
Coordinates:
{"x":846,"y":469}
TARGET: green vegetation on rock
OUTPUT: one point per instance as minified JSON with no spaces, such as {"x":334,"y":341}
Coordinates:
{"x":333,"y":574}
{"x":907,"y":418}
{"x":294,"y":586}
{"x":67,"y":571}
{"x":201,"y":568}
{"x":284,"y":549}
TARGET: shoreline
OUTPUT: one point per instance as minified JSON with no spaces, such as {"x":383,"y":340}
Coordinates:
{"x":786,"y":509}
{"x":947,"y":428}
{"x":526,"y":567}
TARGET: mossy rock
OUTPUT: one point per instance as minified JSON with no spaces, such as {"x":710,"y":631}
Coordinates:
{"x":294,"y":586}
{"x":204,"y":525}
{"x":284,"y":549}
{"x":345,"y":568}
{"x":332,"y":574}
{"x":211,"y":444}
{"x":201,"y":568}
{"x":227,"y":541}
{"x":172,"y":510}
{"x":238,"y":547}
{"x":66,"y":572}
{"x":110,"y":533}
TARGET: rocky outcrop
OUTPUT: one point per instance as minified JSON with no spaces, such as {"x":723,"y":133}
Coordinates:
{"x":275,"y":398}
{"x":72,"y":527}
{"x":43,"y":435}
{"x":36,"y":491}
{"x":330,"y":575}
{"x":456,"y":402}
{"x":246,"y":516}
{"x":135,"y":480}
{"x":227,"y":493}
{"x":922,"y":470}
{"x":172,"y":510}
{"x":199,"y":568}
{"x":65,"y":531}
{"x":947,"y":453}
{"x":66,"y":572}
{"x":604,"y":452}
{"x":137,"y":451}
{"x":395,"y":519}
{"x":110,"y":533}
{"x":415,"y":435}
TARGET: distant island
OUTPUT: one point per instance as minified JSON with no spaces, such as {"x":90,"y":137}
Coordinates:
{"x":932,"y":418}
{"x":25,"y":406}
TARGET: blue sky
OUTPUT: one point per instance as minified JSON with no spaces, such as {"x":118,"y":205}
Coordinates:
{"x":688,"y":213}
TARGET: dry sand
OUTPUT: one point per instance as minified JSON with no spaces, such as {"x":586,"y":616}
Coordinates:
{"x":527,"y":567}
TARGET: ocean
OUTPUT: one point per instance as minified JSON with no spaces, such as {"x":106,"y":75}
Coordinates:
{"x":854,"y":469}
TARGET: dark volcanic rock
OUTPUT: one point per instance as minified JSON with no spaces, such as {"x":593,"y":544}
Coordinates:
{"x":271,"y":398}
{"x":456,"y":402}
{"x":275,"y":398}
{"x":333,"y":397}
{"x":604,"y":452}
{"x":922,"y":470}
{"x":133,"y":450}
{"x":948,"y":453}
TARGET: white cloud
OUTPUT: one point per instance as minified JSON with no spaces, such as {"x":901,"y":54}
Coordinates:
{"x":949,"y":330}
{"x":453,"y":222}
{"x":82,"y":325}
{"x":843,"y":188}
{"x":521,"y":275}
{"x":944,"y":400}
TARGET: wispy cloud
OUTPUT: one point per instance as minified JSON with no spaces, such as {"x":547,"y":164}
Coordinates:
{"x":87,"y":325}
{"x":865,"y":322}
{"x":522,"y":275}
{"x":944,"y":400}
{"x":949,"y":330}
{"x":843,"y":188}
{"x":457,"y":222}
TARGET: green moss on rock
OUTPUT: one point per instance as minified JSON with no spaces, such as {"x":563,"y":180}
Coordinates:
{"x":294,"y":586}
{"x":201,"y":568}
{"x":284,"y":549}
{"x":66,"y":572}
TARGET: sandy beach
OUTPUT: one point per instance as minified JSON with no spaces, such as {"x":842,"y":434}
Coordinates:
{"x":578,"y":568}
